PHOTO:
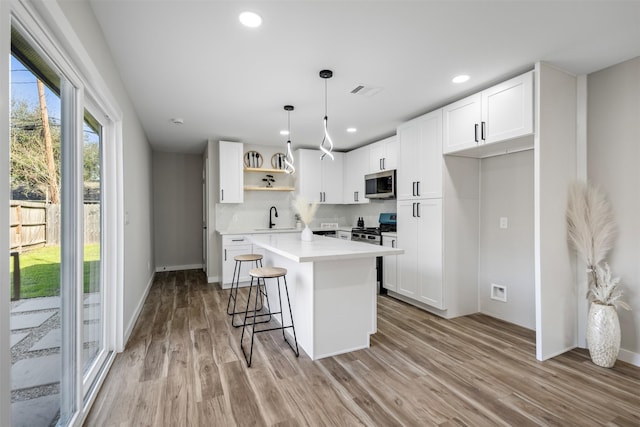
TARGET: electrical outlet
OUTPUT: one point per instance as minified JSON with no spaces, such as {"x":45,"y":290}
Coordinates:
{"x":504,"y":222}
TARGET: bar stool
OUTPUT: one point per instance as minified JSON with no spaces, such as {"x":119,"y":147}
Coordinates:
{"x":235,"y":282}
{"x":260,"y":274}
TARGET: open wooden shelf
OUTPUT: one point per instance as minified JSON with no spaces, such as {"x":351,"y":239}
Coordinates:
{"x":265,"y":170}
{"x":256,"y":188}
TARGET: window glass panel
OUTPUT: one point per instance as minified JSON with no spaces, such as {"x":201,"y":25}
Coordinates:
{"x":36,"y":356}
{"x":93,"y":322}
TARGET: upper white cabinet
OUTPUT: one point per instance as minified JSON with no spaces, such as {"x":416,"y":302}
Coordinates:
{"x":231,"y":173}
{"x":356,"y":165}
{"x":320,"y":180}
{"x":383,"y":155}
{"x":501,"y":113}
{"x":419,"y":173}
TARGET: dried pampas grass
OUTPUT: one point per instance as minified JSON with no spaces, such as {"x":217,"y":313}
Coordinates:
{"x":305,"y":209}
{"x":590,"y":222}
{"x":591,"y":229}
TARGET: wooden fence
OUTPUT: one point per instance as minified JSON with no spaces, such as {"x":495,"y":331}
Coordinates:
{"x":37,"y":224}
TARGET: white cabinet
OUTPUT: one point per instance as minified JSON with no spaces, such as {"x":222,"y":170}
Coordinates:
{"x":231,"y":173}
{"x":389,"y":263}
{"x":419,"y":173}
{"x":502,"y":112}
{"x":383,"y":155}
{"x":356,"y":166}
{"x":420,"y":268}
{"x":233,"y":245}
{"x":320,"y":180}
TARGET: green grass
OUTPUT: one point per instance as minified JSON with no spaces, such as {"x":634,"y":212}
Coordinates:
{"x":40,"y":271}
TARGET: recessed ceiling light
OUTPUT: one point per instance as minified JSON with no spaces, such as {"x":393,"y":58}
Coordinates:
{"x":250,"y":19}
{"x":460,"y":79}
{"x":284,"y":132}
{"x":178,"y":121}
{"x":352,"y":130}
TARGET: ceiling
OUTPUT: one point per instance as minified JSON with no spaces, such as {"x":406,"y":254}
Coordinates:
{"x":193,"y":60}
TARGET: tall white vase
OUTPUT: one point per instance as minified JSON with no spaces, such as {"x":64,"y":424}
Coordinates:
{"x":307,"y":234}
{"x":603,"y":334}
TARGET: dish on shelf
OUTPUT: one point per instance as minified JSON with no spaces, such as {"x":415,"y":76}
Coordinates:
{"x":277,"y":161}
{"x":253,"y":159}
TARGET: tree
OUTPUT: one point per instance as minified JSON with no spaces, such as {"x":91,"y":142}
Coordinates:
{"x":29,"y":169}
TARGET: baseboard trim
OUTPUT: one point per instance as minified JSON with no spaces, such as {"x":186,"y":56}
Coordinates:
{"x":178,"y":267}
{"x":213,"y":279}
{"x":629,"y":357}
{"x":136,"y":313}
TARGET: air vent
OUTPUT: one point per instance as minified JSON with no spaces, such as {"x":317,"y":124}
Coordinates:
{"x":365,"y":90}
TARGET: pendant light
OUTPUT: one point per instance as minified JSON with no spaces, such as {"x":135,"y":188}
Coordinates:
{"x":326,"y":74}
{"x":288,"y":159}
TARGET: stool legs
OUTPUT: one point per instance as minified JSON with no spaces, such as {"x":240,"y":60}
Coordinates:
{"x":253,"y":321}
{"x":235,"y":282}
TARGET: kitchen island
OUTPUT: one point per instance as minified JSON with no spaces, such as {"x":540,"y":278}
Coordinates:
{"x":332,"y":287}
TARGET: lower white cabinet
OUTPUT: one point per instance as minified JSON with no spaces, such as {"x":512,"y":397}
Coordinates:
{"x":233,"y":245}
{"x":419,"y":269}
{"x":389,"y":264}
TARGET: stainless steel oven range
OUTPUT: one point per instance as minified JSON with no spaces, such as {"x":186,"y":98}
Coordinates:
{"x":373,"y":235}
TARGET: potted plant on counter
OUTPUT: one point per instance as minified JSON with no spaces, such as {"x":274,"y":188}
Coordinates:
{"x":306,"y":211}
{"x":592,"y":230}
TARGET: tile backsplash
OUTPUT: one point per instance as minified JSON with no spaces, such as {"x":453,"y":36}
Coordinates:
{"x":254,"y":212}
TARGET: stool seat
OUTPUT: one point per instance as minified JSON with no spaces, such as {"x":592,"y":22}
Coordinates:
{"x":248,"y":257}
{"x":267,"y":272}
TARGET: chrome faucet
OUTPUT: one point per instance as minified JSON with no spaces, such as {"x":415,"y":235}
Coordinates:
{"x":271,"y":209}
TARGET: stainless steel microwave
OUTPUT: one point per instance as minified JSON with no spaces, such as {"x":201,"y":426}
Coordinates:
{"x":380,"y":185}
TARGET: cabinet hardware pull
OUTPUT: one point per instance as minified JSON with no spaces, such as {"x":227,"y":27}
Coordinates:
{"x":225,"y":254}
{"x":418,"y":188}
{"x":414,"y":209}
{"x":483,"y":135}
{"x":355,"y":196}
{"x":413,"y":188}
{"x":221,"y":194}
{"x":418,"y":210}
{"x":393,"y":243}
{"x":384,"y":163}
{"x":475,"y":132}
{"x":237,"y":240}
{"x":380,"y":163}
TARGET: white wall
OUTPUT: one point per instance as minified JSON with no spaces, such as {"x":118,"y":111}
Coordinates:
{"x":613,"y":158}
{"x":177,"y":210}
{"x":506,"y":255}
{"x":137,"y":167}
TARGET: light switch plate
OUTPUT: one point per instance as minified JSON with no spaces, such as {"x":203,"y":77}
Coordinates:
{"x":504,"y":222}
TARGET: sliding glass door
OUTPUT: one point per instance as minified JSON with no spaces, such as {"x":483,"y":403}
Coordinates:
{"x":62,"y":302}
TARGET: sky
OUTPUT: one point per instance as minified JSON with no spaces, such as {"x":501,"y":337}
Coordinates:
{"x":24,"y":87}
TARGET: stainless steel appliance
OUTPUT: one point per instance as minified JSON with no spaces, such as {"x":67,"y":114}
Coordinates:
{"x":372,"y":235}
{"x":380,"y":185}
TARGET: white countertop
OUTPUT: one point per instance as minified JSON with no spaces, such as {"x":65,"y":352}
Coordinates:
{"x":320,"y":248}
{"x":276,"y":230}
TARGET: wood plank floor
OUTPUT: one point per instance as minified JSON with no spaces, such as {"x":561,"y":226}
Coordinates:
{"x":183,"y":367}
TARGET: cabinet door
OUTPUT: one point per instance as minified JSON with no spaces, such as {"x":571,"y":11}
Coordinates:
{"x":309,"y":174}
{"x":507,"y":109}
{"x":462,"y":124}
{"x":228,"y":263}
{"x":429,"y":254}
{"x":389,"y":265}
{"x":231,"y":174}
{"x":407,"y":272}
{"x":332,"y":179}
{"x":355,"y":167}
{"x":383,"y":155}
{"x":420,"y":166}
